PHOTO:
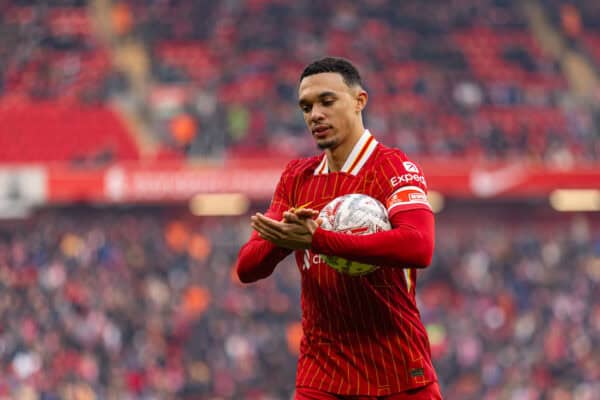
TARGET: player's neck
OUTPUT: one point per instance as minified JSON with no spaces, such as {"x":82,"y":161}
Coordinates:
{"x":337,"y":156}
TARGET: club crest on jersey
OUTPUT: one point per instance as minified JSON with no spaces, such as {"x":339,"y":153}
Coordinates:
{"x":410,"y":167}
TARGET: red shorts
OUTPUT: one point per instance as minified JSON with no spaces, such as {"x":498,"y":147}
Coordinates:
{"x":429,"y":392}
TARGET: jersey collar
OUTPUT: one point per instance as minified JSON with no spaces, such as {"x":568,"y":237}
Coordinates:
{"x":359,"y":155}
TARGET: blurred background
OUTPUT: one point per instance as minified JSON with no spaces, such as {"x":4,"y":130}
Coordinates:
{"x":136,"y":138}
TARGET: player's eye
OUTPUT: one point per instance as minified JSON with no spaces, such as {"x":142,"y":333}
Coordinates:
{"x":305,"y":108}
{"x":328,"y":102}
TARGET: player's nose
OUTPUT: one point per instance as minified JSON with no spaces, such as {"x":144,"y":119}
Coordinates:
{"x":316,"y":114}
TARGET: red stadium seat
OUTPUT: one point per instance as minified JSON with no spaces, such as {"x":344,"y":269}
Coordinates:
{"x":44,"y":132}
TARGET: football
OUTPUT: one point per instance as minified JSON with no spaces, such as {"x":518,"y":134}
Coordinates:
{"x":353,"y":214}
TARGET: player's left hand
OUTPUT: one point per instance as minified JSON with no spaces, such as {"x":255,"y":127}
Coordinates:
{"x":301,"y":213}
{"x":293,"y":232}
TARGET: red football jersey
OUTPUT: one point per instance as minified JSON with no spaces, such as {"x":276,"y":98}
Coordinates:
{"x":362,"y":335}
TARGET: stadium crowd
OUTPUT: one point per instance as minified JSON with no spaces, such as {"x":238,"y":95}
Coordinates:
{"x":466,"y":79}
{"x":142,"y":304}
{"x":50,"y":52}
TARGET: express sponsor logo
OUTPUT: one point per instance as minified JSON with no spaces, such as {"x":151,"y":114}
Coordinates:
{"x":407,"y":178}
{"x":410,"y":167}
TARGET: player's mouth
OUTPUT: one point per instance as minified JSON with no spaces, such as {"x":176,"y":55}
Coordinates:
{"x":320,"y":131}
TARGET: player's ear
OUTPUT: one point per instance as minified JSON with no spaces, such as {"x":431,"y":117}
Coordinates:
{"x":361,"y":100}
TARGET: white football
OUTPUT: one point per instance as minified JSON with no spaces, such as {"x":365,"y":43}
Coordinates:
{"x":354,"y":214}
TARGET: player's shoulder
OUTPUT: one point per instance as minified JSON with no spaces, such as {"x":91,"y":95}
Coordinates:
{"x":301,"y":166}
{"x":394,"y":158}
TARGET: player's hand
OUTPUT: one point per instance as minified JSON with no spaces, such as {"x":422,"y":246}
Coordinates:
{"x":300,"y":213}
{"x":291,"y":233}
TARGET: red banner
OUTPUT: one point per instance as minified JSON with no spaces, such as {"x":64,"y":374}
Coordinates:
{"x":174,"y":182}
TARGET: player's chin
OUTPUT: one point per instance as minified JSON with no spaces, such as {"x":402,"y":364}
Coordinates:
{"x":326,"y":143}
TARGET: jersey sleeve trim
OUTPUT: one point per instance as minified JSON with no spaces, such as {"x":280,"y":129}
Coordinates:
{"x":407,"y":198}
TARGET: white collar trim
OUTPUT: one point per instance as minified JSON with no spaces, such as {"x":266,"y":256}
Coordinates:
{"x":359,"y":155}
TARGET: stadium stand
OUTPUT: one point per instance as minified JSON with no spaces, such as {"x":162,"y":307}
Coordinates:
{"x":471,"y":81}
{"x":92,"y":136}
{"x":138,"y":301}
{"x":55,"y":82}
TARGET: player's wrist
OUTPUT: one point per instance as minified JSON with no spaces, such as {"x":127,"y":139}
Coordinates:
{"x":316,"y":244}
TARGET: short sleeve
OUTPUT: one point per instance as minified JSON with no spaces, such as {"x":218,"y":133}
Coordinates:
{"x":405,"y":185}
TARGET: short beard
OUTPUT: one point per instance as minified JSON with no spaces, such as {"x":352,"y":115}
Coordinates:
{"x":329,"y":144}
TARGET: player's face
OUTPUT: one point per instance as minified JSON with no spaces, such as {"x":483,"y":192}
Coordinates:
{"x":331,"y":108}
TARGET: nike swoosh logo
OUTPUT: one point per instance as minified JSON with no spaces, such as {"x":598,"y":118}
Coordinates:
{"x":304,"y":205}
{"x":490,"y":183}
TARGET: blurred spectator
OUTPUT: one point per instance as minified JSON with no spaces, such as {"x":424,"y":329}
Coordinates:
{"x":571,"y":21}
{"x":122,"y":19}
{"x":184,"y":129}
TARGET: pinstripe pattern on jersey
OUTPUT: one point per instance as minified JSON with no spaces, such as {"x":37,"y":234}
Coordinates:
{"x":362,"y":335}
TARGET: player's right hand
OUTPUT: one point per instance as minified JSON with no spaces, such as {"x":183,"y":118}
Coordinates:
{"x":295,"y":234}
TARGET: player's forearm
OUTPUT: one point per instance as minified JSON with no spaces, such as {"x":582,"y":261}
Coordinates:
{"x":409,"y":244}
{"x":258,"y":258}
